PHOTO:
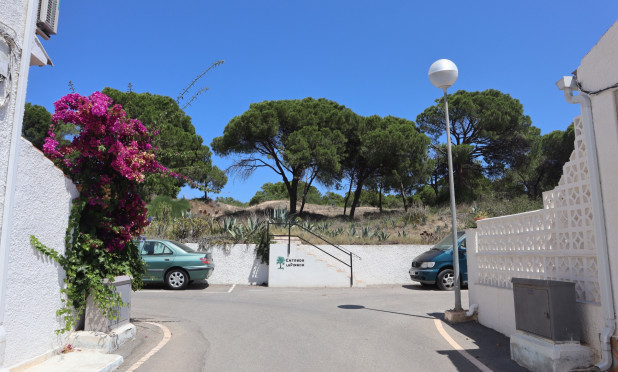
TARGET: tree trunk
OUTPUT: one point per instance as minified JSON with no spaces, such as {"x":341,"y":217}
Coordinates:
{"x":380,"y":197}
{"x":347,"y":197}
{"x":293,"y":193}
{"x":302,"y":203}
{"x":303,"y":199}
{"x":434,"y":183}
{"x":404,"y":198}
{"x":357,"y":193}
{"x":305,"y":191}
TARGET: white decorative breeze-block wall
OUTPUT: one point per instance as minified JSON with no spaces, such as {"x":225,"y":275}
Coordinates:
{"x":42,"y":208}
{"x":555,"y":243}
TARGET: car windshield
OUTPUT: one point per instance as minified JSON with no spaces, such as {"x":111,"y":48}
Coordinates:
{"x":183,"y":247}
{"x":447,"y":243}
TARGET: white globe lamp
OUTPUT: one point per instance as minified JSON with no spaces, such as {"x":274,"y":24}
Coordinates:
{"x":443,"y":73}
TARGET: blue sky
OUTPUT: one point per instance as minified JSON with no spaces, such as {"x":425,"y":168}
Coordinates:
{"x":370,"y":56}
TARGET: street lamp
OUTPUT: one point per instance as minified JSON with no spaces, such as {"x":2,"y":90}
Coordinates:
{"x":442,"y":74}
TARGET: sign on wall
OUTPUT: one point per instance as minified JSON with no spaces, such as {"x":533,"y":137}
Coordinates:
{"x":290,"y":262}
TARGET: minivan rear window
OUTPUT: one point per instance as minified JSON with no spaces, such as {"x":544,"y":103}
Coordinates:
{"x":447,"y":243}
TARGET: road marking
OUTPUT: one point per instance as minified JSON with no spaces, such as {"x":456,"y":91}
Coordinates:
{"x":231,"y":289}
{"x":460,"y":349}
{"x":167,"y":335}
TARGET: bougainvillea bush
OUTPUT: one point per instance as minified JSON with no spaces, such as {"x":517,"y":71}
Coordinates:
{"x":107,"y":161}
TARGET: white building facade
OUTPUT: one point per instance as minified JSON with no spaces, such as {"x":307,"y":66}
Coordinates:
{"x":35,"y":199}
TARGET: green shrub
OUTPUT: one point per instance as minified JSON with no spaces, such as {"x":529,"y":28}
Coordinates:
{"x":163,"y":207}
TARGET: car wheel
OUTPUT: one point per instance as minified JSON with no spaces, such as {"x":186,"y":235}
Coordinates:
{"x":177,"y":279}
{"x":446,"y":280}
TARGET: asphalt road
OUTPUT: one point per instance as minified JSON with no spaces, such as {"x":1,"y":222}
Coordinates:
{"x":220,"y":328}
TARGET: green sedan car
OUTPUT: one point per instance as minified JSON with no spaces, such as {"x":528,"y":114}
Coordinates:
{"x":174,"y":263}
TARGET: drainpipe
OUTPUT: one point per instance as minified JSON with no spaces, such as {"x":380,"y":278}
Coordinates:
{"x":21,"y":78}
{"x":568,"y":85}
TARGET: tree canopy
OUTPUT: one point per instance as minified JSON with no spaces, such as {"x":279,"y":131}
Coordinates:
{"x":278,"y":191}
{"x":387,"y":147}
{"x":37,"y":121}
{"x":489,"y":132}
{"x":179,"y":148}
{"x":296,"y":139}
{"x":540,"y":168}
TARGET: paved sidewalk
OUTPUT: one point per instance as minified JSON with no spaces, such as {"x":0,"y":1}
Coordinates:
{"x":486,"y":345}
{"x":79,"y":361}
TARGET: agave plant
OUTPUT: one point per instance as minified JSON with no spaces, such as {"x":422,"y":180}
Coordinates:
{"x":334,"y":233}
{"x":253,"y":224}
{"x":280,"y":215}
{"x":308,"y":225}
{"x":229,"y":223}
{"x":352,"y":231}
{"x":382,"y":236}
{"x":323,"y":226}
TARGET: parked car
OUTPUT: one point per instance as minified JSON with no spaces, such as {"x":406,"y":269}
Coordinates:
{"x":174,"y":263}
{"x":435,"y":267}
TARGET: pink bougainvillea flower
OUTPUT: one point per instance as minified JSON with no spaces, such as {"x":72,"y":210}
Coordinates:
{"x":107,"y":159}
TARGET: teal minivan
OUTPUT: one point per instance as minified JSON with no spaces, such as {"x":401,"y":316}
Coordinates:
{"x":435,"y":267}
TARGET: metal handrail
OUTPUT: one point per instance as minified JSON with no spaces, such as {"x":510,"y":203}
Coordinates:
{"x":290,"y":224}
{"x":315,"y":246}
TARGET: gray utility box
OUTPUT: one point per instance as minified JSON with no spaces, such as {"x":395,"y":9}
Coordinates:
{"x":546,"y":308}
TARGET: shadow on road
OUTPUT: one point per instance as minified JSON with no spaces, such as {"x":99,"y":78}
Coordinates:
{"x":418,"y":287}
{"x":361,"y":307}
{"x":430,"y":288}
{"x":152,"y":320}
{"x":195,"y":286}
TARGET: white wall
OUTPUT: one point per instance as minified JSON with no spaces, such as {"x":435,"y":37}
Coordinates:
{"x":384,"y":264}
{"x":42,"y":207}
{"x":372,"y":265}
{"x":496,"y":305}
{"x":236,"y":264}
{"x":13,"y":14}
{"x":379,"y":264}
{"x":17,"y":25}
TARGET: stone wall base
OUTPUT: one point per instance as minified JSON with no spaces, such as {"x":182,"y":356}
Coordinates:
{"x":541,"y":355}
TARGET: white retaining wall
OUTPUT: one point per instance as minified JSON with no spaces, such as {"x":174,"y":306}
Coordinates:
{"x":42,"y":207}
{"x":385,"y":264}
{"x":304,"y":267}
{"x":372,"y":265}
{"x":236,"y":264}
{"x":379,"y":264}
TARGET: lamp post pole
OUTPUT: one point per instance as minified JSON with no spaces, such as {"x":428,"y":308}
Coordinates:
{"x":442,"y":74}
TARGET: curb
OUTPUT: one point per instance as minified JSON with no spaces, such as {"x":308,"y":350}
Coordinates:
{"x":103,"y":342}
